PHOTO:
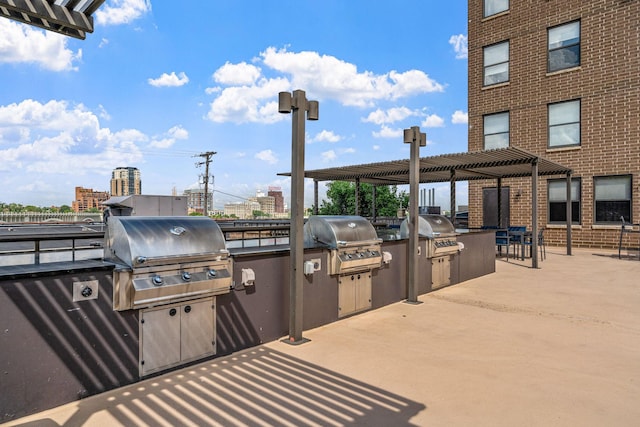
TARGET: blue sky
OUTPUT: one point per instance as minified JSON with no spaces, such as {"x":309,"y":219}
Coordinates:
{"x":160,"y":82}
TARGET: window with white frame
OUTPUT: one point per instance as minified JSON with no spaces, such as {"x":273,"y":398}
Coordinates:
{"x":496,"y":131}
{"x":564,"y":46}
{"x":496,"y":63}
{"x":557,"y":201}
{"x":564,"y":124}
{"x":612,"y":196}
{"x":492,"y":7}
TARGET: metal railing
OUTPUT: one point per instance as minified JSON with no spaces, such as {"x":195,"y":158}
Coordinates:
{"x":255,"y":235}
{"x":35,"y":245}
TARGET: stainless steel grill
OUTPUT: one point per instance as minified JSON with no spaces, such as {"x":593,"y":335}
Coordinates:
{"x":353,"y":242}
{"x":162,"y":260}
{"x":439,"y":231}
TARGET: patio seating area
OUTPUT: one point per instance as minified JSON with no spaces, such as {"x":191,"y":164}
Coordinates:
{"x":517,"y":242}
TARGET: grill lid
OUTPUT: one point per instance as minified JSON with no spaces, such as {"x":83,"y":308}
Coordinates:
{"x":337,"y":231}
{"x":429,"y":226}
{"x":140,"y":240}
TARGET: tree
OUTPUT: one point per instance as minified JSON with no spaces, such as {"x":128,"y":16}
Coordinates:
{"x":259,"y":214}
{"x":342,"y":200}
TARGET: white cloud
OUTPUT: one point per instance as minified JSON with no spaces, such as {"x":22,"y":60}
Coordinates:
{"x":178,"y":132}
{"x":391,"y":115}
{"x":118,"y":12}
{"x":103,"y":113}
{"x":328,"y":77}
{"x":348,"y":151}
{"x":242,"y":104}
{"x":21,"y":43}
{"x":460,"y":45}
{"x":237,"y":74}
{"x":56,"y":139}
{"x":460,"y":117}
{"x":376,"y":147}
{"x":170,"y":80}
{"x":170,"y":138}
{"x":326,"y":135}
{"x":387,"y":132}
{"x":433,"y":121}
{"x":267,"y":156}
{"x":328,"y":156}
{"x":245,"y":93}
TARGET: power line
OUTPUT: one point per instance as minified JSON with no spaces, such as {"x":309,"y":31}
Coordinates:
{"x":229,"y":194}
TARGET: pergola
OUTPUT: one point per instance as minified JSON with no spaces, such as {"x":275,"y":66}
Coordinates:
{"x":71,"y":18}
{"x":496,"y":164}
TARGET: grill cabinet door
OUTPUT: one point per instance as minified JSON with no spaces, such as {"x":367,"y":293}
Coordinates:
{"x":159,"y":339}
{"x":176,"y":334}
{"x":197,"y":330}
{"x":440,"y":272}
{"x":354,"y":293}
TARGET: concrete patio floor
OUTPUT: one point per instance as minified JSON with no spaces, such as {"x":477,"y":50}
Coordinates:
{"x":555,"y":346}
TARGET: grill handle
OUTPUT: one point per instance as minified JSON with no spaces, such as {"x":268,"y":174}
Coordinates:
{"x":174,"y":259}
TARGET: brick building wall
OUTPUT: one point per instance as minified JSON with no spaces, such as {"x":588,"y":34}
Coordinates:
{"x":607,"y":83}
{"x":87,"y":198}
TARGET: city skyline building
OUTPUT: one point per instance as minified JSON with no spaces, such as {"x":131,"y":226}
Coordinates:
{"x":87,"y":198}
{"x":126,"y":181}
{"x":195,"y":200}
{"x":278,"y":199}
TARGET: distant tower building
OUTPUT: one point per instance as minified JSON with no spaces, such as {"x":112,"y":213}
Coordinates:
{"x":242,"y":210}
{"x":267,"y":203}
{"x":195,"y":200}
{"x":276,"y":193}
{"x":87,"y":199}
{"x":125,"y":182}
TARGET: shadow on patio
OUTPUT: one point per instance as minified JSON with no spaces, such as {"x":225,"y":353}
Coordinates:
{"x":255,"y":387}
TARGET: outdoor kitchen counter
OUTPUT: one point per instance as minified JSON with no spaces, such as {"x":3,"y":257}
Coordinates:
{"x":53,"y":268}
{"x":478,"y":256}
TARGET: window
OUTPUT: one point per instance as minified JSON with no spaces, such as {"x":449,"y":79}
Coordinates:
{"x":496,"y":63}
{"x":564,"y":124}
{"x":612,"y":196}
{"x":496,"y":131}
{"x":557,"y":200}
{"x":492,"y":7}
{"x":564,"y":46}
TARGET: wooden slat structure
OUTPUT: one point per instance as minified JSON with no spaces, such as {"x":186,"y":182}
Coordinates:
{"x":73,"y":18}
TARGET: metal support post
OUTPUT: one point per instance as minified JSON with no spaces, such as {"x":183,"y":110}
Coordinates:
{"x":417,"y":139}
{"x":297,"y":104}
{"x":534,"y":214}
{"x":569,"y":213}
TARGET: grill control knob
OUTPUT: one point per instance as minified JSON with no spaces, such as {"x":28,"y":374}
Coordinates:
{"x":212,"y":273}
{"x":86,"y":292}
{"x":157,"y":280}
{"x":186,"y":276}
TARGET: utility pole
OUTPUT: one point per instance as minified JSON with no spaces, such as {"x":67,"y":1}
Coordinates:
{"x":207,"y":160}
